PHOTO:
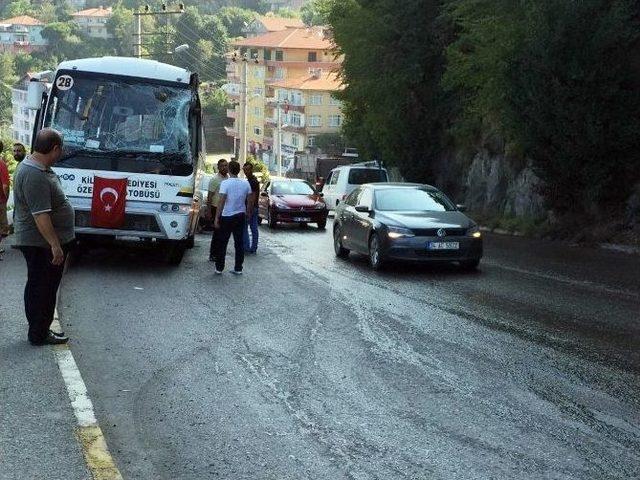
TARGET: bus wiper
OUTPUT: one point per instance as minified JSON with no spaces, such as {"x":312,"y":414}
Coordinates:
{"x":78,"y":151}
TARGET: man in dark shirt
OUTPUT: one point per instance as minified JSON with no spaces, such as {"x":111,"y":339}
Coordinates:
{"x":44,"y":232}
{"x":251,"y":228}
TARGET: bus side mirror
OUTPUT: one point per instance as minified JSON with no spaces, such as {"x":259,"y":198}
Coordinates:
{"x":34,"y":94}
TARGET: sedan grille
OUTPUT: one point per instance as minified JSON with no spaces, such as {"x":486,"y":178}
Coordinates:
{"x":433,"y":232}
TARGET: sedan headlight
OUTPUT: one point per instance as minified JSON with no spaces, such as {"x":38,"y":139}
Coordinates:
{"x":399,"y":232}
{"x":474,"y":232}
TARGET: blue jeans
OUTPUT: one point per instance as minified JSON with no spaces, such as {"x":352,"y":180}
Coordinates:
{"x":251,"y":227}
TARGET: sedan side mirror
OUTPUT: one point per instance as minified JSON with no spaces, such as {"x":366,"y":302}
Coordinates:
{"x":362,"y":209}
{"x":461,"y":208}
{"x":264,"y":194}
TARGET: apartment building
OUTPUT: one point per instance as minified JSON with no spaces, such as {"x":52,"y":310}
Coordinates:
{"x":267,"y":24}
{"x":287,"y":71}
{"x":21,"y":34}
{"x":93,"y":21}
{"x":23,"y":118}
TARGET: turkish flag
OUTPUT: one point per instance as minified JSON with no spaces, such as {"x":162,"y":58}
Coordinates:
{"x":108,"y":202}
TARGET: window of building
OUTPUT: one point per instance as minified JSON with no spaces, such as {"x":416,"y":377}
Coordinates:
{"x":315,"y":99}
{"x":295,"y":140}
{"x":267,"y":54}
{"x":312,"y":57}
{"x":258,"y":90}
{"x":257,"y":130}
{"x":315,"y":121}
{"x":258,"y":72}
{"x":296,"y":119}
{"x":257,"y":111}
{"x":311,"y":141}
{"x":334,"y":101}
{"x":280,"y":72}
{"x":296,"y":98}
{"x":335,"y":120}
{"x":253,"y":53}
{"x":283,"y":95}
{"x":279,"y":56}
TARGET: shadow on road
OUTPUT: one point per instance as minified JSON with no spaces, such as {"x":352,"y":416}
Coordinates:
{"x":125,"y":256}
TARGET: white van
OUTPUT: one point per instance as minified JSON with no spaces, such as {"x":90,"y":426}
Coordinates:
{"x":344,"y":179}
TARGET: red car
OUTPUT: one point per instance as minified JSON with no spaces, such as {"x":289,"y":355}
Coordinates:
{"x":291,"y":201}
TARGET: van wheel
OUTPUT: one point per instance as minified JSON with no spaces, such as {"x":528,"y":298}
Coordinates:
{"x":191,"y":241}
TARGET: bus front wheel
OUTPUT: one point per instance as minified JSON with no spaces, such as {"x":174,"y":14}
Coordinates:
{"x":175,"y":252}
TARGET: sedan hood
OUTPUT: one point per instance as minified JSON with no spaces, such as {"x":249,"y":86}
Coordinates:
{"x":454,"y":219}
{"x":297,"y":201}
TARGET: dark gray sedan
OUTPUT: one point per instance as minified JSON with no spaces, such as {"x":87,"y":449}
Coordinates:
{"x":405,"y":221}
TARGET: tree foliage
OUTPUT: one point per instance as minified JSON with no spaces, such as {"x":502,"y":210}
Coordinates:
{"x":561,"y":80}
{"x":234,"y":19}
{"x":316,"y":12}
{"x":395,"y":108}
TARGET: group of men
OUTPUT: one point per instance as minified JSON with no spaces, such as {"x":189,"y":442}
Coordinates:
{"x":19,"y":152}
{"x":44,"y":224}
{"x":233,"y":206}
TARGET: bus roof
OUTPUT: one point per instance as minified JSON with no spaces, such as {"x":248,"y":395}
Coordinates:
{"x":129,"y":67}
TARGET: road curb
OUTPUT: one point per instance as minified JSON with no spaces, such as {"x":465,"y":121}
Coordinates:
{"x":613,"y":247}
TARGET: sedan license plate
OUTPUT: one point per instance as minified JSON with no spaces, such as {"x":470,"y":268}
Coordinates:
{"x":302,"y":219}
{"x":443,"y":246}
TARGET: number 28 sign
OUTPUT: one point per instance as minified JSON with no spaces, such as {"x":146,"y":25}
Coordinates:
{"x":64,"y":82}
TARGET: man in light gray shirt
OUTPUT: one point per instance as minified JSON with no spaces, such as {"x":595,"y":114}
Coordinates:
{"x":44,"y":232}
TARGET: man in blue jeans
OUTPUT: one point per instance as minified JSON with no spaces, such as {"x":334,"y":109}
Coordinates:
{"x":251,"y":229}
{"x":233,"y":209}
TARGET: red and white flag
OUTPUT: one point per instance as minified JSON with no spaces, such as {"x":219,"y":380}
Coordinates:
{"x":108,"y":202}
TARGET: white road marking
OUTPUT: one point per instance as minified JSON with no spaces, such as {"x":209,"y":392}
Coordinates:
{"x":94,"y":446}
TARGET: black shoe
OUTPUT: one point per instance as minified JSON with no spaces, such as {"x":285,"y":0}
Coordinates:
{"x":56,"y":334}
{"x":51,"y":339}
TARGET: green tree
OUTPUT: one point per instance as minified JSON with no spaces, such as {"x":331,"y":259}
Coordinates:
{"x":7,"y":79}
{"x":46,"y":12}
{"x":16,"y":8}
{"x":234,"y":19}
{"x":395,"y":107}
{"x":316,"y":12}
{"x":121,"y":26}
{"x":286,"y":13}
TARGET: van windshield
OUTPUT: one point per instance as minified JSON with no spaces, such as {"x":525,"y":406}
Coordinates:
{"x":359,"y":176}
{"x":122,"y":124}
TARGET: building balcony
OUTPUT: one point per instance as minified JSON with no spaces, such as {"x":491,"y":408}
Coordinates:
{"x":294,"y":128}
{"x":231,"y":113}
{"x":231,"y":131}
{"x":302,"y":64}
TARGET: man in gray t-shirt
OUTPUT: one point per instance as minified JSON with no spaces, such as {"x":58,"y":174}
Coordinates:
{"x":44,"y":232}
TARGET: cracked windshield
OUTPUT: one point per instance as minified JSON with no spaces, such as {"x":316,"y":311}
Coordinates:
{"x":319,"y":240}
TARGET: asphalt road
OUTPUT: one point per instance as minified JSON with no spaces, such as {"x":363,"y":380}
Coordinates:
{"x":311,"y":367}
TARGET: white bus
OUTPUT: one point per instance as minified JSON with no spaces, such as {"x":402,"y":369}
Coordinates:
{"x":132,"y":118}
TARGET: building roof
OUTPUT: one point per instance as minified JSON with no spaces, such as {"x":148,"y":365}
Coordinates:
{"x":326,"y":81}
{"x":313,"y":38}
{"x":129,"y":67}
{"x":21,"y":20}
{"x":94,"y":12}
{"x":277,"y":24}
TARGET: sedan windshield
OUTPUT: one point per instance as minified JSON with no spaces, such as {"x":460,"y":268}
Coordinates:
{"x":292,"y":188}
{"x":122,"y":124}
{"x":412,"y":199}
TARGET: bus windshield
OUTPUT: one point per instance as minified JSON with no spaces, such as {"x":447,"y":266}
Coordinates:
{"x":122,"y":124}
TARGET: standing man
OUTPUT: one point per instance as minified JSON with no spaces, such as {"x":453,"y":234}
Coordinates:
{"x":4,"y":198}
{"x":213,"y":198}
{"x":231,"y":214}
{"x":44,"y":232}
{"x":252,"y":221}
{"x":19,"y":152}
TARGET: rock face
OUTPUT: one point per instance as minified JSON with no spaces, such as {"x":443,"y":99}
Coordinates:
{"x":494,"y":185}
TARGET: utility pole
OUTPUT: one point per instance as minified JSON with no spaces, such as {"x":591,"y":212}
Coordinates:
{"x":138,"y":27}
{"x":279,"y":135}
{"x":244,"y":110}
